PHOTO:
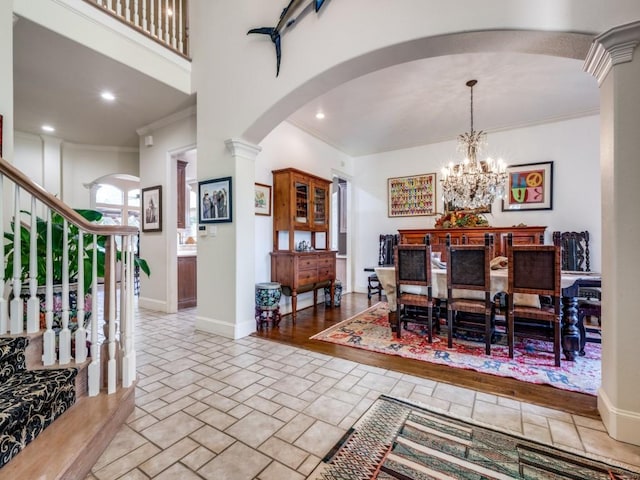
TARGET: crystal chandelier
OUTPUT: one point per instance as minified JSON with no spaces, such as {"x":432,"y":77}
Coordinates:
{"x":473,"y":183}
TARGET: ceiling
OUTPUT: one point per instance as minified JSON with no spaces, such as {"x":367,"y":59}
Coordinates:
{"x":58,"y":81}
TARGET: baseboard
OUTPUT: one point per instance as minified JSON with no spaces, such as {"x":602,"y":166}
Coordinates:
{"x":153,"y":304}
{"x":622,"y":425}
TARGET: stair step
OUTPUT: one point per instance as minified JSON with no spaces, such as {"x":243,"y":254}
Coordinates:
{"x":70,"y":446}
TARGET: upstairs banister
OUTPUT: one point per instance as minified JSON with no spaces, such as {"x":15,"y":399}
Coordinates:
{"x":164,"y":21}
{"x":57,"y":205}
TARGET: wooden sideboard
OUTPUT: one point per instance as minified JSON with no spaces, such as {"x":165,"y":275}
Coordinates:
{"x":300,"y":272}
{"x":475,"y":235}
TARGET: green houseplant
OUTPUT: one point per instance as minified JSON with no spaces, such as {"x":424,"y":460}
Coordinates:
{"x":57,"y":234}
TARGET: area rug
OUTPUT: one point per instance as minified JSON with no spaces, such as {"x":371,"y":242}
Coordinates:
{"x":396,"y":439}
{"x":533,"y":360}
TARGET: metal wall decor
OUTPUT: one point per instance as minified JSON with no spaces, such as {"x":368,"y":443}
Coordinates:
{"x":286,"y":20}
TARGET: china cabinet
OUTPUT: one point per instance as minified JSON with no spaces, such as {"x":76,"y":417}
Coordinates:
{"x":301,"y":204}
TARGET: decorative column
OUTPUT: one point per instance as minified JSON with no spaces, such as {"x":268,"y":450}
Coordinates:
{"x":244,"y":155}
{"x":614,"y":60}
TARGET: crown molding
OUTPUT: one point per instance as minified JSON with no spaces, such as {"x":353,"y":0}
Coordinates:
{"x":240,"y":148}
{"x":168,"y":120}
{"x":613,"y":47}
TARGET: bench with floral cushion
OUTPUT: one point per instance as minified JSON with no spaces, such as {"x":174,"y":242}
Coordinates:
{"x":29,"y":399}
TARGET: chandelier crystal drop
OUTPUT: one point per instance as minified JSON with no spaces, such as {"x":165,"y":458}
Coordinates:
{"x":473,"y":183}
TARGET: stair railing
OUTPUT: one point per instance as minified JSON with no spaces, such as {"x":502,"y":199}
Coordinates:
{"x":19,"y":315}
{"x":165,"y":21}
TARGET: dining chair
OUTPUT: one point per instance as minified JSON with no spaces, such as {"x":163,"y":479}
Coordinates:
{"x":386,"y":242}
{"x":415,"y":303}
{"x":534,"y":270}
{"x":575,"y":256}
{"x":468,"y":289}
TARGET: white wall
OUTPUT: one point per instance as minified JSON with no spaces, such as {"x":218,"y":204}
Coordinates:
{"x":82,"y":164}
{"x":157,"y":167}
{"x":572,"y":145}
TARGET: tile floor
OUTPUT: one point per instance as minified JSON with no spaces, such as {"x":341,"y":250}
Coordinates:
{"x":212,"y":408}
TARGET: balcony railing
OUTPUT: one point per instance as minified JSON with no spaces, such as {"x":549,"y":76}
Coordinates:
{"x":165,"y":21}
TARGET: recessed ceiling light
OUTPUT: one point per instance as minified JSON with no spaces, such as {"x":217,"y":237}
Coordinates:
{"x":108,"y":96}
{"x":48,"y":128}
{"x":319,"y":115}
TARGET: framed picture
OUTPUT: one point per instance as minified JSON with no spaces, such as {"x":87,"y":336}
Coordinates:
{"x":215,"y":201}
{"x":529,"y":187}
{"x":412,"y":196}
{"x":152,"y":209}
{"x":262,"y":199}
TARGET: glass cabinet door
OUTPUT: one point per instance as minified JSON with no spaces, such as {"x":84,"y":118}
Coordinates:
{"x":302,"y":202}
{"x":319,"y":205}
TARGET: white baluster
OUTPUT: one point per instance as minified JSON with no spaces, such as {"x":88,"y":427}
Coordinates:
{"x":49,"y":338}
{"x":181,"y":21}
{"x":174,"y":42}
{"x":119,"y":7}
{"x":167,"y":34}
{"x":81,"y":333}
{"x":94,"y":366}
{"x":123,"y":305}
{"x":159,"y":13}
{"x":126,"y":326}
{"x":144,"y":24}
{"x":136,"y":12}
{"x":65,"y":334}
{"x":16,"y":305}
{"x":33,"y":303}
{"x":4,"y":312}
{"x":127,"y":10}
{"x":152,"y":20}
{"x":111,"y":364}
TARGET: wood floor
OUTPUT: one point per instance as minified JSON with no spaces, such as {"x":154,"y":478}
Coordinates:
{"x":313,"y":320}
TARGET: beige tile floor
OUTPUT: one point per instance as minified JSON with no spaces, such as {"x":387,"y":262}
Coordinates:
{"x":212,"y":408}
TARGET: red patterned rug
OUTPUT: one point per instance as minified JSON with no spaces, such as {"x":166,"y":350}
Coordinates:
{"x":533,"y":360}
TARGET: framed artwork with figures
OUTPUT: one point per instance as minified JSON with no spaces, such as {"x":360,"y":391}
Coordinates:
{"x":215,"y":201}
{"x":152,"y":209}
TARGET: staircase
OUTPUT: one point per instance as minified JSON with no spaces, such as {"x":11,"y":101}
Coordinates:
{"x":61,"y":403}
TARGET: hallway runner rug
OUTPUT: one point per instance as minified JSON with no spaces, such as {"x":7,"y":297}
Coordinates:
{"x":395,"y":439}
{"x":533,"y":360}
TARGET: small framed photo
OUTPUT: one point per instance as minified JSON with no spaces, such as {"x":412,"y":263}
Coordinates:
{"x":152,"y":209}
{"x":262,"y":199}
{"x":529,"y":187}
{"x":215,"y":200}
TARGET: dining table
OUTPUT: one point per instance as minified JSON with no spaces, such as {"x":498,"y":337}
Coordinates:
{"x":570,"y":281}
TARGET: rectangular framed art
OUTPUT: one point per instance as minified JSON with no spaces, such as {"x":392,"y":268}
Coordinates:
{"x":152,"y":209}
{"x":262,"y":199}
{"x":412,"y":196}
{"x":215,"y":200}
{"x":529,"y":187}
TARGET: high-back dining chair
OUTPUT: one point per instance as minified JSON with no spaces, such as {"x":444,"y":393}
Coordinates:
{"x":534,"y":270}
{"x":469,"y":273}
{"x":575,"y":256}
{"x":413,"y":286}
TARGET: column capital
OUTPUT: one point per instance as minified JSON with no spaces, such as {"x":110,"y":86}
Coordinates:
{"x":240,"y":148}
{"x":610,"y":48}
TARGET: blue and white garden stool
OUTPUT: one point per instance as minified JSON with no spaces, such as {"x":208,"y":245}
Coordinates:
{"x":268,"y":303}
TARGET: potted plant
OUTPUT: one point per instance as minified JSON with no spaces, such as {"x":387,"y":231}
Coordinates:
{"x":57,"y":233}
